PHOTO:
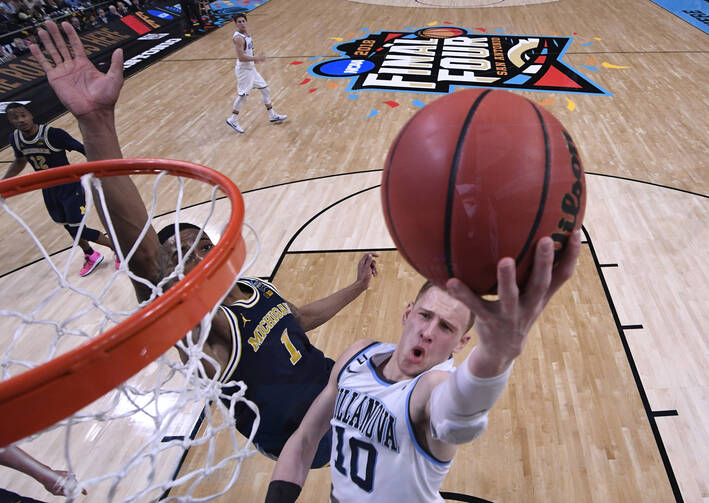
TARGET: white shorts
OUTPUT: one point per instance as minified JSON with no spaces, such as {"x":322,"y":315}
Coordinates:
{"x":248,"y":79}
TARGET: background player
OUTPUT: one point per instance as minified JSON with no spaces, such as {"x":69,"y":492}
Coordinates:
{"x":282,"y":370}
{"x":247,"y":77}
{"x":45,"y":147}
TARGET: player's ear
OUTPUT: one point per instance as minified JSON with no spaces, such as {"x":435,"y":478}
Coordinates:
{"x":407,"y":312}
{"x":463,"y":342}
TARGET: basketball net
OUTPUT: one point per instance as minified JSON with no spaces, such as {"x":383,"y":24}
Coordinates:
{"x":160,"y":434}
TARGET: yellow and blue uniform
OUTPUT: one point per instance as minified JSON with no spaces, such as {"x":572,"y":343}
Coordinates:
{"x":47,"y":149}
{"x":282,"y":370}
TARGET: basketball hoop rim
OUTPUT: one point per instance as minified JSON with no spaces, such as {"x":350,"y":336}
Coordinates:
{"x":87,"y":372}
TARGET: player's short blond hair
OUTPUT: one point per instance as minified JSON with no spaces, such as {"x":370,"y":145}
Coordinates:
{"x":427,"y":286}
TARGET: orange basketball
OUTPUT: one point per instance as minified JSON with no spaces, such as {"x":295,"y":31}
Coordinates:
{"x":476,"y":176}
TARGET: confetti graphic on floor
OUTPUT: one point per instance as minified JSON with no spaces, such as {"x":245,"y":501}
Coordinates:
{"x":605,"y":64}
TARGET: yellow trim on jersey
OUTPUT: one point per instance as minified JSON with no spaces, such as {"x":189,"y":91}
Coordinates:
{"x":235,"y":356}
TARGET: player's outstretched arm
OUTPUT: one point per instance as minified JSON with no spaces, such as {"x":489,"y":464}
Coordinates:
{"x":297,"y":455}
{"x":316,"y":313}
{"x":503,"y":325}
{"x":452,"y":409}
{"x":55,"y":481}
{"x":91,"y":97}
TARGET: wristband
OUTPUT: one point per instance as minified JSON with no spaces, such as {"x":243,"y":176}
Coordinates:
{"x":280,"y":491}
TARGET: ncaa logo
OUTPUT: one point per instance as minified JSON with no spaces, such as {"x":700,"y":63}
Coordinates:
{"x":160,"y":14}
{"x":346,"y":67}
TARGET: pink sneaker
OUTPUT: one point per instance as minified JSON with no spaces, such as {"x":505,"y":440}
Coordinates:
{"x":118,"y":263}
{"x":90,"y":263}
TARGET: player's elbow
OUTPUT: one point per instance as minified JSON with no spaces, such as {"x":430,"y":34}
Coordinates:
{"x":459,"y":430}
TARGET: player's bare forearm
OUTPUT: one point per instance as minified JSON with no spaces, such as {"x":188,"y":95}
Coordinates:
{"x":15,"y":168}
{"x":98,"y":129}
{"x":297,"y":455}
{"x":316,"y":313}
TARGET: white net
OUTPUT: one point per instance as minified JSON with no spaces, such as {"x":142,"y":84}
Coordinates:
{"x":167,"y":433}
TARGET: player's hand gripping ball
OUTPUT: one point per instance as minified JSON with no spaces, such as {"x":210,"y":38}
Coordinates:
{"x":476,"y":176}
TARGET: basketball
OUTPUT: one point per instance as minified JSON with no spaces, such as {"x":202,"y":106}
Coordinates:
{"x":479,"y":175}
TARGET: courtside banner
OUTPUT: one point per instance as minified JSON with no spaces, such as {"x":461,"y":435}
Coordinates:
{"x":144,"y":36}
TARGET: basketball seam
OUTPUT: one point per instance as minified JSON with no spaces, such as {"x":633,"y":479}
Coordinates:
{"x":387,"y":170}
{"x":545,"y":188}
{"x":452,"y":179}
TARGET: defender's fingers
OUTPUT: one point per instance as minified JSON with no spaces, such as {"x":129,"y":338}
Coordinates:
{"x":76,"y":46}
{"x":59,"y":43}
{"x":540,"y":279}
{"x":116,"y":69}
{"x":37,"y":53}
{"x":567,"y":264}
{"x":49,"y":47}
{"x":507,"y":289}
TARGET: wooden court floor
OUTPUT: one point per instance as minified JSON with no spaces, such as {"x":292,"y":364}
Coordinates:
{"x":609,"y":402}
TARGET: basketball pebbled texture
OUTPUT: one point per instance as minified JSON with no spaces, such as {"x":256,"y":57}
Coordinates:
{"x":479,"y":175}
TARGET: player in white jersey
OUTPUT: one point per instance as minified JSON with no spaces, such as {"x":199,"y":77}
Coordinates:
{"x":247,"y":77}
{"x":397,"y":413}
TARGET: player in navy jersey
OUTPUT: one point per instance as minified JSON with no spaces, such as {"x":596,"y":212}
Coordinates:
{"x":45,"y":147}
{"x":256,"y":334}
{"x":259,"y":337}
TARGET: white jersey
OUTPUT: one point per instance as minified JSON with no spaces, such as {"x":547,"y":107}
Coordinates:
{"x":248,"y":50}
{"x":375,"y":455}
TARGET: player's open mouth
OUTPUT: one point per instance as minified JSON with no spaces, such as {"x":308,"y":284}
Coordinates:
{"x":417,"y":354}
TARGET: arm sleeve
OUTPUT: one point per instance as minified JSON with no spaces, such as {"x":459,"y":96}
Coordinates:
{"x":459,"y":405}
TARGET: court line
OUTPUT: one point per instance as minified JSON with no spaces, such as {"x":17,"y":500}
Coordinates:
{"x":636,"y":375}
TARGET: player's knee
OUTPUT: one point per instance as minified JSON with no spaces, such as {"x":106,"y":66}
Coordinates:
{"x":265,"y":95}
{"x":88,"y":234}
{"x":72,"y":229}
{"x":240,"y":100}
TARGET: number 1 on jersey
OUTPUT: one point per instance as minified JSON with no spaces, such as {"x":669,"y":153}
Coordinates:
{"x":292,"y":351}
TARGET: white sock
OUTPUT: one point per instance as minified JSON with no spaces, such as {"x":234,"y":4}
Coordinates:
{"x":234,"y":119}
{"x":271,"y":112}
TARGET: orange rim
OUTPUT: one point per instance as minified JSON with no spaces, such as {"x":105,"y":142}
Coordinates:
{"x":73,"y":380}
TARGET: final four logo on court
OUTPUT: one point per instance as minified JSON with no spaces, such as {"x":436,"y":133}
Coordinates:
{"x":435,"y":59}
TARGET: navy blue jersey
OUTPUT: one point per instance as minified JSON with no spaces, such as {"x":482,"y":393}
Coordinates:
{"x":47,"y":149}
{"x":282,"y":370}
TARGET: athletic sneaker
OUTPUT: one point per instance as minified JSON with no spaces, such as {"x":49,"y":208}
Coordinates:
{"x":90,"y":263}
{"x":118,"y":262}
{"x":277,"y":117}
{"x":235,"y":127}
